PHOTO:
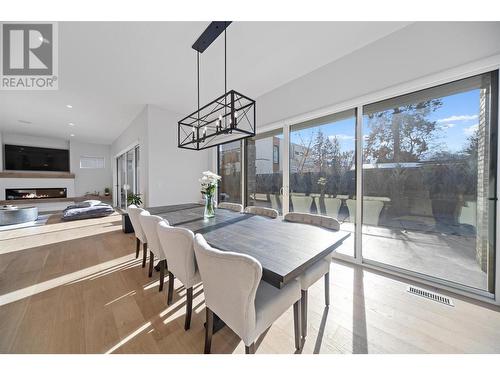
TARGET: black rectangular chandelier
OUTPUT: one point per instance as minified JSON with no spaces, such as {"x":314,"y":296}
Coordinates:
{"x":228,"y":118}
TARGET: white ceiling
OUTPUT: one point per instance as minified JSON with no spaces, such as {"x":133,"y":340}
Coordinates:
{"x":108,"y":71}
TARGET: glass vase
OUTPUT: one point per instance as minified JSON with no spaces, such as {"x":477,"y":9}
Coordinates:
{"x":209,"y":206}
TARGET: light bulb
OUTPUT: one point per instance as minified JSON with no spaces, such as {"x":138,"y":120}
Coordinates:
{"x":194,"y":129}
{"x":235,"y":114}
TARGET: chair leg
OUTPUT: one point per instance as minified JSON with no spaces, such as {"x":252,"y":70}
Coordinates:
{"x":162,"y":274}
{"x":250,"y":349}
{"x":170,"y":288}
{"x":137,"y":247}
{"x":151,"y":263}
{"x":144,"y":254}
{"x":296,"y":324}
{"x":209,"y":328}
{"x":189,"y":308}
{"x":327,"y":289}
{"x":303,"y":307}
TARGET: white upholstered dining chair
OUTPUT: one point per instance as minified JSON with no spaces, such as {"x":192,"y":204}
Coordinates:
{"x":236,"y":207}
{"x":262,"y":211}
{"x":149,"y":225}
{"x":177,"y":243}
{"x":133,"y":213}
{"x":318,"y":270}
{"x":234,"y":291}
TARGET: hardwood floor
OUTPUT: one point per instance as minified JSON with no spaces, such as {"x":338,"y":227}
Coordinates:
{"x":77,"y":288}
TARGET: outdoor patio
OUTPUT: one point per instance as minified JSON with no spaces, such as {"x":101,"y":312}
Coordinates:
{"x":446,"y":256}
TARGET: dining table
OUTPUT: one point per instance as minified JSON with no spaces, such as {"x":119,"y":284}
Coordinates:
{"x":284,"y":249}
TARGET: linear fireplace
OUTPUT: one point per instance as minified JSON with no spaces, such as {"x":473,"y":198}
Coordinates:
{"x":35,"y":193}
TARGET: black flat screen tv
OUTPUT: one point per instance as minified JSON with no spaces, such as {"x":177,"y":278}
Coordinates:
{"x":24,"y":158}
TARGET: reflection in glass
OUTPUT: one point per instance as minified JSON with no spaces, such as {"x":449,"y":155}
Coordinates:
{"x":264,"y":171}
{"x":322,"y":170}
{"x":427,"y":180}
{"x":230,"y":171}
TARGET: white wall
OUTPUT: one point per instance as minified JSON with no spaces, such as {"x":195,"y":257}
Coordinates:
{"x":135,"y":134}
{"x":173,"y":172}
{"x":90,"y":180}
{"x":169,"y":175}
{"x":415,"y":51}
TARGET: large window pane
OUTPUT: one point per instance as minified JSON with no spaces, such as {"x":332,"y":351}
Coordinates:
{"x":427,"y":181}
{"x":127,"y":176}
{"x":230,"y":171}
{"x":265,"y":170}
{"x":322,"y":170}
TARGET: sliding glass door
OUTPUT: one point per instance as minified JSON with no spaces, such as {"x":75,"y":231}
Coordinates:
{"x":264,"y":170}
{"x":412,"y":179}
{"x":127,"y":176}
{"x":323,"y":170}
{"x":429,"y":182}
{"x":229,"y":167}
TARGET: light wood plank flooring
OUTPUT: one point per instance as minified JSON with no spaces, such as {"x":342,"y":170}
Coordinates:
{"x":77,"y":288}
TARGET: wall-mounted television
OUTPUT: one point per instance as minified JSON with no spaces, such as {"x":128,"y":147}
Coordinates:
{"x":25,"y":158}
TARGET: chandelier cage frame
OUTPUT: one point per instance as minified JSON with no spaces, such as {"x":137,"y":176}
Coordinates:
{"x":228,"y":118}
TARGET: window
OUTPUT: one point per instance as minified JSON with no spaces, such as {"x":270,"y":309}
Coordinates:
{"x":264,"y":171}
{"x":276,"y":154}
{"x":322,"y":170}
{"x":91,"y":162}
{"x":127,"y":178}
{"x":427,"y":187}
{"x":428,"y":178}
{"x":230,"y":171}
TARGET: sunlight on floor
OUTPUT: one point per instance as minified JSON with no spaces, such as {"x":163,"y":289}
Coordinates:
{"x":129,"y":337}
{"x":73,"y":277}
{"x":10,"y":245}
{"x":129,"y":294}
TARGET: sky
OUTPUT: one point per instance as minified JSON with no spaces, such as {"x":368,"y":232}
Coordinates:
{"x":457,"y":118}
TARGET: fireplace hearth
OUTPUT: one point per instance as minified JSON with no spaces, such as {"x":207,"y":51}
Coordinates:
{"x":35,"y":193}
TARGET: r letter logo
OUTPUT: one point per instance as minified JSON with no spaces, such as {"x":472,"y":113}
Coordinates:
{"x":28,"y":56}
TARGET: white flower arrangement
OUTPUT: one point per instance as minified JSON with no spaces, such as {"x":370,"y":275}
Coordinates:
{"x":209,"y":182}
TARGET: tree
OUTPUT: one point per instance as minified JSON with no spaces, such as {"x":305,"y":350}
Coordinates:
{"x":471,"y":147}
{"x":401,"y":134}
{"x":323,"y":151}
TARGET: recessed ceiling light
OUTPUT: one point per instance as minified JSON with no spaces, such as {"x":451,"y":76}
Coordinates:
{"x":24,"y":122}
{"x":71,"y":123}
{"x":69,"y":106}
{"x":71,"y":135}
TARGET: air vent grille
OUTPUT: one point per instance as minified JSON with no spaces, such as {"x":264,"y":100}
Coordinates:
{"x":430,"y":295}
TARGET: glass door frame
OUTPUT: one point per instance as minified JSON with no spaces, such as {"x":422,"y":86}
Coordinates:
{"x":283,"y":157}
{"x":357,"y":105}
{"x":135,"y":177}
{"x":358,"y":258}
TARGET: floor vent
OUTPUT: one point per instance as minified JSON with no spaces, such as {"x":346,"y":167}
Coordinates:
{"x":430,"y":295}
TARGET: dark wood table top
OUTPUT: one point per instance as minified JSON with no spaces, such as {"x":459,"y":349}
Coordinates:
{"x":284,"y":249}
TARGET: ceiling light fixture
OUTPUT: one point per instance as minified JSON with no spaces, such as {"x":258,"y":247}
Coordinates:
{"x":69,"y":106}
{"x":71,"y":135}
{"x":71,"y":123}
{"x":228,"y":118}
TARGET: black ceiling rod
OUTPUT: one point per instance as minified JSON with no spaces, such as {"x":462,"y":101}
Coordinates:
{"x":209,"y":35}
